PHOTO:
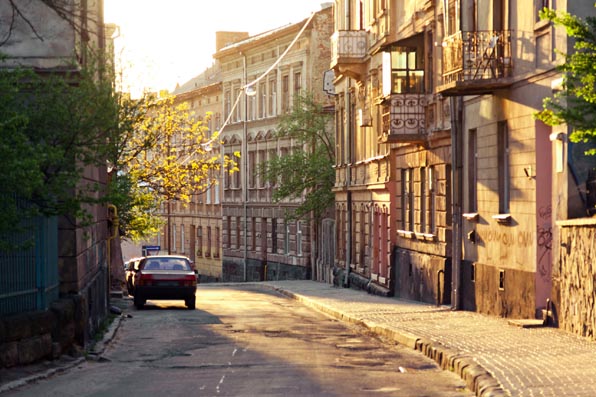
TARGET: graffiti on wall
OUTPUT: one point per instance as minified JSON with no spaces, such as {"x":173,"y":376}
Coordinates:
{"x":544,"y":237}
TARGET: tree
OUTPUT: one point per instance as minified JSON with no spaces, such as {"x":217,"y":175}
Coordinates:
{"x":575,"y":104}
{"x":162,"y":155}
{"x":52,"y":128}
{"x":307,"y":169}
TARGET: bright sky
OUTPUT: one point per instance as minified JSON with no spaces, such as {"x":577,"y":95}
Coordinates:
{"x":165,"y":42}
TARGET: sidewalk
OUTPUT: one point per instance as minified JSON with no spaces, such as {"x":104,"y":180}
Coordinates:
{"x":494,"y":357}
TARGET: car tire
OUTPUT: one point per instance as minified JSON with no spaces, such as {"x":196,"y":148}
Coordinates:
{"x":191,"y":302}
{"x":139,"y":302}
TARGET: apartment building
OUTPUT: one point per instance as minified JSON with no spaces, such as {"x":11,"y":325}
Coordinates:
{"x":498,"y":64}
{"x":444,"y":177}
{"x":393,"y":173}
{"x":259,"y":241}
{"x":196,"y":228}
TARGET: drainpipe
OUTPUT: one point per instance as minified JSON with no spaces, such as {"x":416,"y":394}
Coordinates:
{"x":456,"y":197}
{"x":349,"y":130}
{"x":115,"y":227}
{"x":244,"y":175}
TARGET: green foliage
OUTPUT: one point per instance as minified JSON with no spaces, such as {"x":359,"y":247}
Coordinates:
{"x":52,"y":128}
{"x":306,"y":171}
{"x":575,"y":104}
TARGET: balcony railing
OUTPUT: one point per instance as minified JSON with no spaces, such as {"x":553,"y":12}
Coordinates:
{"x":348,"y":50}
{"x":404,"y":118}
{"x":476,"y":62}
{"x":350,"y":44}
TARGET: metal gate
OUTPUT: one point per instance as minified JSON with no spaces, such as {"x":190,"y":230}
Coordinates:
{"x":29,"y":275}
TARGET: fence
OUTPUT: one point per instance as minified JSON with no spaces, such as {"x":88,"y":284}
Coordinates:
{"x":29,"y":276}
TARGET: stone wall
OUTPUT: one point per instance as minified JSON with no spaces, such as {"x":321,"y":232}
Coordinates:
{"x":29,"y":337}
{"x":574,"y":277}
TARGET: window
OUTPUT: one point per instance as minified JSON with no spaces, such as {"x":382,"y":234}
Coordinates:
{"x":253,"y":233}
{"x":200,"y":241}
{"x":274,"y":235}
{"x":299,"y":238}
{"x":285,"y":93}
{"x":238,"y":222}
{"x":252,"y":172}
{"x":207,"y":194}
{"x":216,"y":188}
{"x":503,"y":167}
{"x":432,"y":192}
{"x":209,"y":243}
{"x":262,"y":100}
{"x":472,"y":170}
{"x":423,"y":199}
{"x":272,"y":97}
{"x":286,"y":238}
{"x":262,"y":158}
{"x":182,"y":240}
{"x":173,"y":238}
{"x":407,"y":200}
{"x":227,"y":103}
{"x":402,"y":71}
{"x":228,"y":227}
{"x":540,"y":5}
{"x":297,"y":82}
{"x":217,"y":243}
{"x":237,"y":111}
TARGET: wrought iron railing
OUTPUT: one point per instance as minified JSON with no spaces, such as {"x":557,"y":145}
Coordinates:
{"x":348,"y":44}
{"x":404,"y":116}
{"x":477,"y":55}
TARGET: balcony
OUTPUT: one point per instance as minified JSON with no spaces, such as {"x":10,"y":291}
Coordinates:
{"x":404,"y":118}
{"x":476,"y":63}
{"x":348,"y":51}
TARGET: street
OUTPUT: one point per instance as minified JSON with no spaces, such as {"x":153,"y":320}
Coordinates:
{"x":247,"y":341}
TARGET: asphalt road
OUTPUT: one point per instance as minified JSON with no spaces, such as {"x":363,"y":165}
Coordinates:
{"x":245,"y":341}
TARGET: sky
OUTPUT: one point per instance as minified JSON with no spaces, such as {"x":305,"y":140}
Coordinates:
{"x":167,"y":42}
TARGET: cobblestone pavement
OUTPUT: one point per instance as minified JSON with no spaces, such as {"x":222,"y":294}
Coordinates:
{"x":495,"y":357}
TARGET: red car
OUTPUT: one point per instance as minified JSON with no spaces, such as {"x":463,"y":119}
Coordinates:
{"x":164,"y":277}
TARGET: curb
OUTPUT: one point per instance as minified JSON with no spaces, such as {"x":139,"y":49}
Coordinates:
{"x":477,"y":379}
{"x":39,"y":376}
{"x":93,"y":354}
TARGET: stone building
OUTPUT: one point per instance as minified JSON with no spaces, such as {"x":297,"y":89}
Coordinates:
{"x":444,"y":181}
{"x":498,"y":64}
{"x":393,"y":173}
{"x":196,"y":228}
{"x":258,"y":242}
{"x":69,"y":309}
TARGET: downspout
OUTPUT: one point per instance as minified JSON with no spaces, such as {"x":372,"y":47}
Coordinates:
{"x":244,"y":175}
{"x":349,"y":130}
{"x":456,"y":104}
{"x":115,"y":227}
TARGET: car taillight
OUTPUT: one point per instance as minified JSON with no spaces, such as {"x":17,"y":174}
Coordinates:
{"x":189,"y":281}
{"x":146,"y":279}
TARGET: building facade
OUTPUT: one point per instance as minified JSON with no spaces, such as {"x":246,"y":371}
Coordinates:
{"x":258,"y":241}
{"x":58,"y":44}
{"x":444,"y":182}
{"x":498,"y":64}
{"x":393,"y":183}
{"x":196,"y":228}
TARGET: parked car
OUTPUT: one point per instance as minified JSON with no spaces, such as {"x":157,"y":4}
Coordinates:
{"x":164,"y":277}
{"x":130,"y":267}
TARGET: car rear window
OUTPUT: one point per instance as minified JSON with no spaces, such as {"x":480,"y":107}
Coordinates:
{"x":166,"y":264}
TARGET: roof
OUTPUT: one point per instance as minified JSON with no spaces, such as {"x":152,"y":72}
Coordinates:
{"x":210,"y":76}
